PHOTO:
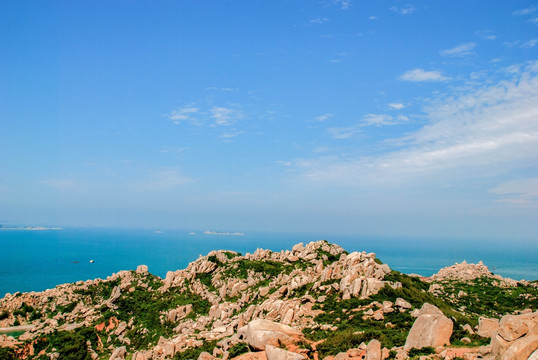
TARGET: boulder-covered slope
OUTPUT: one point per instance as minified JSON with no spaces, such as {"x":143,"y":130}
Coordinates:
{"x":312,"y":301}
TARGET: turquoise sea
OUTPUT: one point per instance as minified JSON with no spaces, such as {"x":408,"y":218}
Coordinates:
{"x":38,"y":260}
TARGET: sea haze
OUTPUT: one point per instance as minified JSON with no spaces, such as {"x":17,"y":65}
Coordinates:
{"x":38,"y":260}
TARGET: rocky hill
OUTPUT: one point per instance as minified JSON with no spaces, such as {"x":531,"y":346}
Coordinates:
{"x":315,"y":301}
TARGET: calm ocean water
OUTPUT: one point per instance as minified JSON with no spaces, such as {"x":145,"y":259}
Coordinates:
{"x":38,"y":260}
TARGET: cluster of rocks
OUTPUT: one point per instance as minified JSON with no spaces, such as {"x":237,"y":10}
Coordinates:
{"x":267,"y":312}
{"x":467,"y":272}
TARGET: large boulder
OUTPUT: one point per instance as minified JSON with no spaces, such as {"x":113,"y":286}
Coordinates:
{"x":431,"y":328}
{"x":373,"y":350}
{"x":486,"y":327}
{"x":516,"y":338}
{"x":274,"y":353}
{"x":261,"y":333}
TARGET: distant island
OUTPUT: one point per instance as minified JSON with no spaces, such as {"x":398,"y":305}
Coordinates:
{"x":29,"y":228}
{"x":316,"y":301}
{"x":209,"y":232}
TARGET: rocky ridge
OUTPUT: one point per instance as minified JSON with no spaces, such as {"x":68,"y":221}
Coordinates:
{"x":308,"y":302}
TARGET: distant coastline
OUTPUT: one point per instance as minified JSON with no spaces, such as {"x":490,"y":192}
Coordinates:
{"x":29,"y":228}
{"x":209,"y":232}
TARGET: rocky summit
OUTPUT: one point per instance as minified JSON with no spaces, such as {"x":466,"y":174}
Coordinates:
{"x":311,"y":302}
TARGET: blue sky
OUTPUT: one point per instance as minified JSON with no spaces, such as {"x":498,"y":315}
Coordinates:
{"x":334,"y":116}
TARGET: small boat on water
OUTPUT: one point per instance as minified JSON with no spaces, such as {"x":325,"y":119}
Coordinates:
{"x":91,"y":261}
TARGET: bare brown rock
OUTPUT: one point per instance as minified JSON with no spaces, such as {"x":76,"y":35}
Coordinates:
{"x":486,"y":327}
{"x":373,"y":350}
{"x":274,"y":353}
{"x":264,"y":332}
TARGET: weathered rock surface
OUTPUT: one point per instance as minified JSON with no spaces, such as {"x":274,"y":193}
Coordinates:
{"x":431,"y":328}
{"x":373,"y":350}
{"x":486,"y":327}
{"x":516,"y":337}
{"x":260,"y":333}
{"x":275,"y":353}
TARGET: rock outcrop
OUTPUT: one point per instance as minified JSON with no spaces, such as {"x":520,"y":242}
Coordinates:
{"x":275,"y":353}
{"x":486,"y":327}
{"x":431,"y":328}
{"x":260,"y":333}
{"x":516,"y":338}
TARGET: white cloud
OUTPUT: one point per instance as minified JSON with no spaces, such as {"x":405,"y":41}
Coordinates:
{"x":344,"y":4}
{"x":324,"y":117}
{"x":184,"y":114}
{"x":405,"y":10}
{"x":396,"y":106}
{"x":525,"y":11}
{"x":523,"y":191}
{"x":421,"y":75}
{"x":224,"y":116}
{"x":486,"y":35}
{"x":343,"y":132}
{"x":319,"y":20}
{"x":481,"y":132}
{"x":459,"y":50}
{"x":373,"y":17}
{"x":377,"y":119}
{"x":529,"y":44}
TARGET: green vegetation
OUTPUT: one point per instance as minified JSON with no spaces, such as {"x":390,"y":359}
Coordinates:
{"x":146,"y":309}
{"x":4,"y":315}
{"x":71,"y":345}
{"x":414,"y":352}
{"x":7,"y":353}
{"x":481,"y":297}
{"x":268,"y":267}
{"x":23,"y":310}
{"x":195,"y":352}
{"x":238,"y":349}
{"x":205,"y":278}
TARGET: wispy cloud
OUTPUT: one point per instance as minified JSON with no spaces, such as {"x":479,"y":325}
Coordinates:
{"x":421,"y":75}
{"x":526,"y":11}
{"x":186,"y":113}
{"x":529,"y":44}
{"x":379,"y":120}
{"x":319,"y":20}
{"x":396,"y":106}
{"x":344,"y":132}
{"x":225,"y":116}
{"x":366,"y":120}
{"x":480,"y":132}
{"x":226,"y":89}
{"x":523,"y":191}
{"x":373,"y":17}
{"x":486,"y":35}
{"x":324,"y":117}
{"x":461,"y":50}
{"x":404,"y":10}
{"x":344,"y":4}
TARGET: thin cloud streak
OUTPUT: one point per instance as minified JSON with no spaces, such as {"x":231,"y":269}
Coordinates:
{"x":491,"y":130}
{"x":461,"y":50}
{"x":421,"y":75}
